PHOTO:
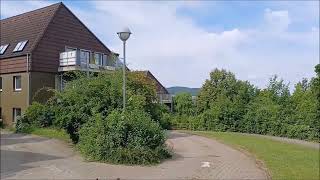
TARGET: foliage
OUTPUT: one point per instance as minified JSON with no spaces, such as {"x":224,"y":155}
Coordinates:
{"x":22,"y":126}
{"x":37,"y":115}
{"x":262,"y":116}
{"x":88,"y":111}
{"x":130,"y":138}
{"x":223,"y":100}
{"x":183,"y":104}
{"x":165,"y":121}
{"x":186,"y":122}
{"x":84,"y":96}
{"x":228,"y":104}
{"x":224,"y":83}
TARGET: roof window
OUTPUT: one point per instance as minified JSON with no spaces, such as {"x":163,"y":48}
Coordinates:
{"x":20,"y":46}
{"x":3,"y":48}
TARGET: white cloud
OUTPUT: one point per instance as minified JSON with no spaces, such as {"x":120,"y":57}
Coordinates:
{"x":180,"y":52}
{"x":176,"y":50}
{"x":11,"y":8}
{"x":277,"y":20}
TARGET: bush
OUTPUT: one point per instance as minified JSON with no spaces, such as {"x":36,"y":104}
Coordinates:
{"x":298,"y":131}
{"x":165,"y":121}
{"x":130,"y":138}
{"x":22,"y":126}
{"x":83,"y":97}
{"x":37,"y":115}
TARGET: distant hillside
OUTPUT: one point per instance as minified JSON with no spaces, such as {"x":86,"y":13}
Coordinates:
{"x":178,"y":89}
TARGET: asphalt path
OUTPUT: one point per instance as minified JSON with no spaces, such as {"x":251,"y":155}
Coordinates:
{"x":195,"y":157}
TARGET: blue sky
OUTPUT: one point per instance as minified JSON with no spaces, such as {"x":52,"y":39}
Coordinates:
{"x":182,"y":41}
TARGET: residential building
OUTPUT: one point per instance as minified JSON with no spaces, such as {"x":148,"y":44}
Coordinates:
{"x":163,"y":95}
{"x":36,"y":48}
{"x":39,"y":45}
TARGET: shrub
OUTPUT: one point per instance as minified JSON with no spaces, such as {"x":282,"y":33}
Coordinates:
{"x":33,"y":114}
{"x":165,"y":121}
{"x":37,"y":115}
{"x":183,"y":104}
{"x":129,"y":138}
{"x":298,"y":131}
{"x":102,"y":94}
{"x":22,"y":125}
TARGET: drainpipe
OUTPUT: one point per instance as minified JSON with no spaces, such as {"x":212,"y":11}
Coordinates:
{"x":28,"y":72}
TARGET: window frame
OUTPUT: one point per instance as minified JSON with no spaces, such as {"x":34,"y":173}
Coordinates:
{"x":15,"y":83}
{"x":20,"y":46}
{"x":14,"y":114}
{"x":70,"y":48}
{"x":85,"y":50}
{"x":105,"y":59}
{"x":3,"y":48}
{"x":100,"y":61}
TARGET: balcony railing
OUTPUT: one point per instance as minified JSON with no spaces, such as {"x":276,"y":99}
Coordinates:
{"x":68,"y":58}
{"x":71,"y":60}
{"x":164,"y":98}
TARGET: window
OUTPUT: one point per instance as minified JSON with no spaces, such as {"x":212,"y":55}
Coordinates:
{"x":16,"y":113}
{"x":68,"y":49}
{"x":3,"y":48}
{"x":105,"y":60}
{"x":17,"y":83}
{"x":0,"y":84}
{"x":20,"y":46}
{"x":84,"y":57}
{"x":98,"y":58}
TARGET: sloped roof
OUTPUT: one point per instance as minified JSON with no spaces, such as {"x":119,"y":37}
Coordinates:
{"x":30,"y":26}
{"x":27,"y":26}
{"x":158,"y":84}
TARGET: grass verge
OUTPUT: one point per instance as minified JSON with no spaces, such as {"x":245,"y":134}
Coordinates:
{"x":45,"y":132}
{"x":283,"y":160}
{"x":51,"y":133}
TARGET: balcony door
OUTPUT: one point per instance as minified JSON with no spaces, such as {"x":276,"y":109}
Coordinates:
{"x":84,"y":57}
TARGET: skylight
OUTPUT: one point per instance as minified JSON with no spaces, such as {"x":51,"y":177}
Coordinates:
{"x":20,"y":46}
{"x":3,"y":48}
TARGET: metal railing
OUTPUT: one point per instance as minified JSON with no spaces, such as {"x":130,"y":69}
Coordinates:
{"x":72,"y":58}
{"x":68,"y":58}
{"x":166,"y":98}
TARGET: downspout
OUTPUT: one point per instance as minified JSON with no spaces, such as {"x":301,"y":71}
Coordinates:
{"x":28,"y":72}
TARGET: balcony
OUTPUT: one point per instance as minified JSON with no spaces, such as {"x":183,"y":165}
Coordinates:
{"x":164,"y":98}
{"x":85,"y":61}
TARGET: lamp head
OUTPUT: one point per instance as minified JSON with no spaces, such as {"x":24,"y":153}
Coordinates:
{"x":124,"y":34}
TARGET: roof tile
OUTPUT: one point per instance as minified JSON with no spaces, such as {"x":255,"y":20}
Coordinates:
{"x":27,"y":26}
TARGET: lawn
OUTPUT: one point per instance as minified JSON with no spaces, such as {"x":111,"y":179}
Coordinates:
{"x":51,"y":133}
{"x":283,"y":160}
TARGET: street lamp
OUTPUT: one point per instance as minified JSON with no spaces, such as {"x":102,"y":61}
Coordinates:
{"x":124,"y":36}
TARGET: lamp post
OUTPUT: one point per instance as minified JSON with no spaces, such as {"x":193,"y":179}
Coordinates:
{"x":124,"y":36}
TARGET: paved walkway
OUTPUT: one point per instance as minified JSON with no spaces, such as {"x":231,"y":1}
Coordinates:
{"x":33,"y":157}
{"x":290,"y":141}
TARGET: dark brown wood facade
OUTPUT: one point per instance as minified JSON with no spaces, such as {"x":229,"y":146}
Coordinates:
{"x":65,"y":30}
{"x":13,"y":65}
{"x":49,"y":31}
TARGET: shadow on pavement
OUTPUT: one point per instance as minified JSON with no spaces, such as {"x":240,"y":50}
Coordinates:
{"x":12,"y":138}
{"x":14,"y":161}
{"x":176,"y":135}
